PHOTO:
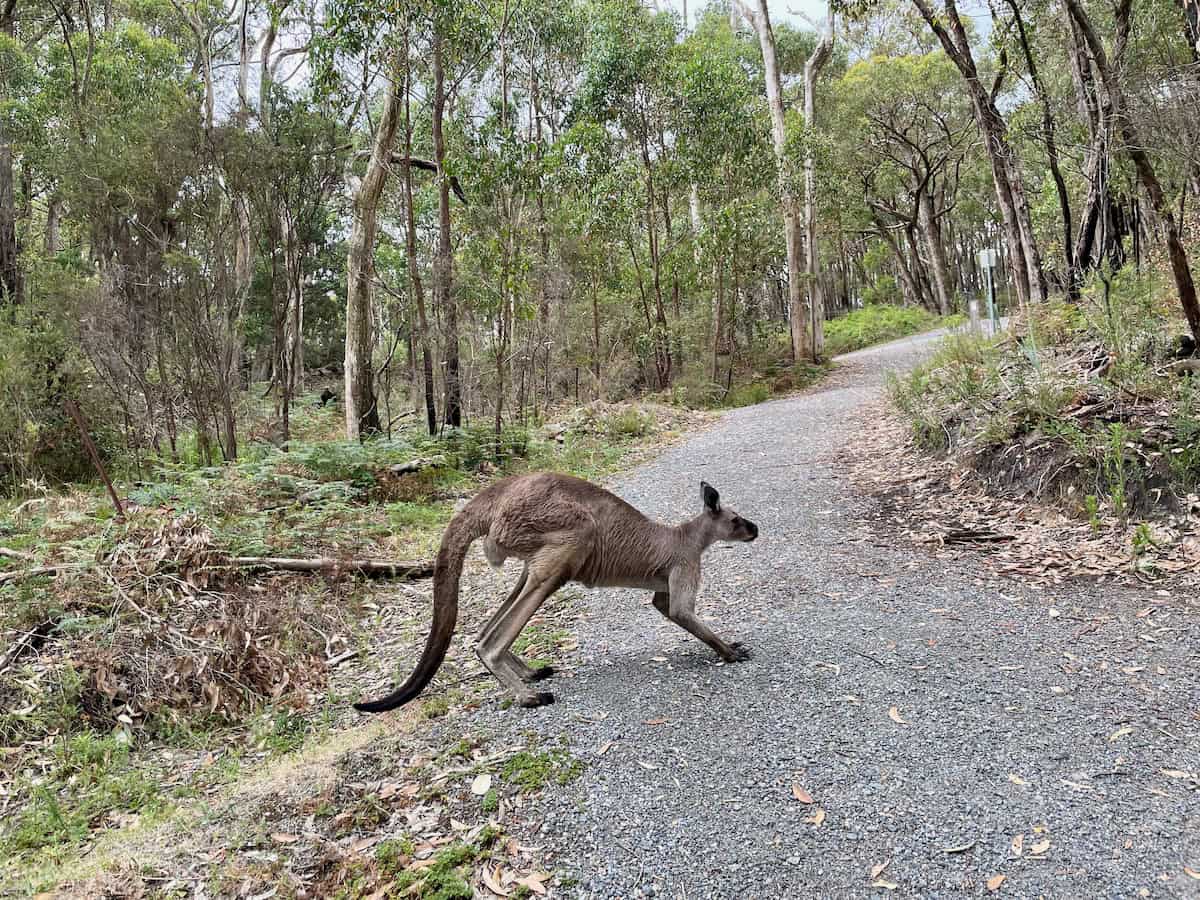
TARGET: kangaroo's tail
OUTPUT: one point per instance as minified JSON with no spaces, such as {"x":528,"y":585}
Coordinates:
{"x":472,"y":522}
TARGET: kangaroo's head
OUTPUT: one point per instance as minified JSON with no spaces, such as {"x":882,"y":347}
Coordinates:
{"x":726,"y":524}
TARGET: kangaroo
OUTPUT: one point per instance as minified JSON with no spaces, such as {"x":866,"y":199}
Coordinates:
{"x":566,"y":529}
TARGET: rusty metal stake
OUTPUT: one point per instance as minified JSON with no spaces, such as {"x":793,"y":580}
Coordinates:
{"x":73,"y":411}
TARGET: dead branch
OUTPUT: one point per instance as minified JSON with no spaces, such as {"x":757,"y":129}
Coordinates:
{"x":26,"y":641}
{"x":21,"y":574}
{"x":16,"y":554}
{"x":371,"y":568}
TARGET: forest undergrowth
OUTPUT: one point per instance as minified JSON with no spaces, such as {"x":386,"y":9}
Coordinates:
{"x":1080,"y":424}
{"x":149,"y":671}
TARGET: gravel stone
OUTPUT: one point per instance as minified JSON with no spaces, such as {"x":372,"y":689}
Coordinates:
{"x":843,"y":626}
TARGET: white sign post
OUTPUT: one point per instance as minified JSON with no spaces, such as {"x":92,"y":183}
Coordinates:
{"x":987,"y":260}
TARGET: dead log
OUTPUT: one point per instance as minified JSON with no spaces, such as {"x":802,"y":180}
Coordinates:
{"x":16,"y":554}
{"x":371,"y":568}
{"x":20,"y":574}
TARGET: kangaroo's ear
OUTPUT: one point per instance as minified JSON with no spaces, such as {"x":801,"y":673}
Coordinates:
{"x":712,"y":500}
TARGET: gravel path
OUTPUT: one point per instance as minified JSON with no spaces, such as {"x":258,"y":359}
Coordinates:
{"x":1068,"y":717}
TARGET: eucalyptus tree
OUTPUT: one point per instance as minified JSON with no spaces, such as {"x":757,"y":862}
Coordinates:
{"x":909,"y":132}
{"x":627,"y":88}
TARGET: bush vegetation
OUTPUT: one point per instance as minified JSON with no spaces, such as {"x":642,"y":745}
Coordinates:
{"x":875,"y":324}
{"x":1088,"y":393}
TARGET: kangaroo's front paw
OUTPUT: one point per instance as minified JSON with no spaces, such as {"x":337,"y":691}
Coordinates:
{"x":536,"y":698}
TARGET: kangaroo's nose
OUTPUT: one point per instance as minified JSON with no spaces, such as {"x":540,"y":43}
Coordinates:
{"x":753,"y":531}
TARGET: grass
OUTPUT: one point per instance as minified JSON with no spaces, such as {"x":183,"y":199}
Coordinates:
{"x":877,"y":324}
{"x":90,"y":776}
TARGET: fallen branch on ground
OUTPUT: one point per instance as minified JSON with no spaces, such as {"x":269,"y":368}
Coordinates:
{"x":16,"y":554}
{"x":28,"y":573}
{"x":28,"y":640}
{"x":371,"y":568}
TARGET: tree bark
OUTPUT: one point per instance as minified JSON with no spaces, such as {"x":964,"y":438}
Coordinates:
{"x":12,"y":287}
{"x":362,"y":408}
{"x":443,"y":296}
{"x":816,"y":295}
{"x":1140,"y":158}
{"x":937,"y":253}
{"x":798,"y":312}
{"x":410,"y":244}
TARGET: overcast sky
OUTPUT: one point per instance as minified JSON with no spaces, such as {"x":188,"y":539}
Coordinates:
{"x":781,"y":10}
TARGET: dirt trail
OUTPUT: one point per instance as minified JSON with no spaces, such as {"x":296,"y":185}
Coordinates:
{"x":949,"y":726}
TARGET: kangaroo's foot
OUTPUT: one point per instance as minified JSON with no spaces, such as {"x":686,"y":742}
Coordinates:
{"x":740,"y":652}
{"x":530,"y":699}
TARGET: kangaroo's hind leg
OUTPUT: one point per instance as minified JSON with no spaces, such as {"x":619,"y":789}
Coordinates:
{"x":549,"y":570}
{"x":523,"y":671}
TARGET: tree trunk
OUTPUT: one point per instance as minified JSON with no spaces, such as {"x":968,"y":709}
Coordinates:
{"x":792,"y":227}
{"x":662,"y":349}
{"x":1141,"y":159}
{"x":816,"y":298}
{"x":1048,"y":137}
{"x":443,"y":296}
{"x":937,"y":253}
{"x":362,"y":408}
{"x":410,"y":244}
{"x":1024,"y":256}
{"x":11,"y":280}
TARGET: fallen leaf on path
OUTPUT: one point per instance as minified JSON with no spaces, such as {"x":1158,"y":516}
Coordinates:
{"x":492,"y":882}
{"x":1018,"y":845}
{"x":877,"y":869}
{"x":534,"y":882}
{"x":649,"y":766}
{"x":1017,"y":779}
{"x":961,"y":848}
{"x":816,"y":818}
{"x":894,"y":715}
{"x":1120,"y":733}
{"x":604,"y":748}
{"x":801,"y":794}
{"x":281,"y":838}
{"x":481,"y":785}
{"x":363,"y":843}
{"x":1178,"y":773}
{"x":886,"y":885}
{"x":655,"y":722}
{"x":1192,"y":873}
{"x":1039,"y":848}
{"x":993,"y":883}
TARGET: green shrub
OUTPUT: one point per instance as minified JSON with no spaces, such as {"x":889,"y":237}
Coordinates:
{"x":874,"y":324}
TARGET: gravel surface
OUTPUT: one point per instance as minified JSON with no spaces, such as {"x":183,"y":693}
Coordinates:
{"x":1070,"y":717}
